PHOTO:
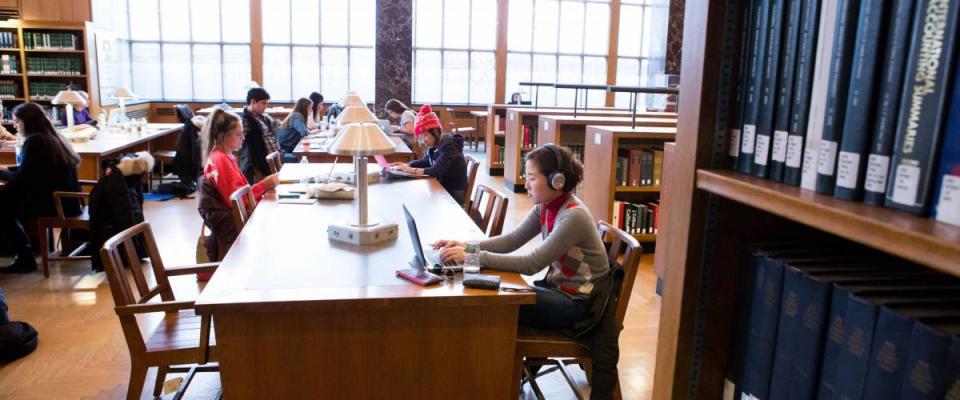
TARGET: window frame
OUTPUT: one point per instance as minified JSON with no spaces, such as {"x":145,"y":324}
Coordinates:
{"x":645,"y":8}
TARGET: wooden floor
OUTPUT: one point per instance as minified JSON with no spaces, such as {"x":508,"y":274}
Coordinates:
{"x":82,"y":353}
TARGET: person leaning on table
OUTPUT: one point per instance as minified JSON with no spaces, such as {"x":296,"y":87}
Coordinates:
{"x":444,"y":159}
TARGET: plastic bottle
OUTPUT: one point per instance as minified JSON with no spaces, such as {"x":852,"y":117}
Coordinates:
{"x":471,"y":257}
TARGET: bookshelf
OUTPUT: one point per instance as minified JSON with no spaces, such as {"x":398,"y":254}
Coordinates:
{"x":714,"y":213}
{"x":54,"y":55}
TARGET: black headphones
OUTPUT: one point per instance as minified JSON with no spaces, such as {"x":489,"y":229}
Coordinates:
{"x":556,"y":178}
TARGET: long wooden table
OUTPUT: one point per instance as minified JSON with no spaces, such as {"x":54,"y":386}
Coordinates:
{"x":299,"y":316}
{"x":317,"y":154}
{"x":107,"y":144}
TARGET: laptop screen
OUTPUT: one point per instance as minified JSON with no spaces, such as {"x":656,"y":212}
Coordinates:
{"x":382,"y":161}
{"x":415,"y":237}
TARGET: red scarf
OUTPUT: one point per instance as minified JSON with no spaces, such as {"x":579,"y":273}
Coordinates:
{"x":548,"y":214}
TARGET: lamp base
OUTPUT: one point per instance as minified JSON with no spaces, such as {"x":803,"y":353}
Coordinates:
{"x":362,"y":235}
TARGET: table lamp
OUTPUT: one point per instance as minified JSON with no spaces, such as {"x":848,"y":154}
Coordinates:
{"x":352,"y":99}
{"x":355,"y":114}
{"x":123,"y":94}
{"x":250,"y":85}
{"x":69,"y":98}
{"x":361,"y":140}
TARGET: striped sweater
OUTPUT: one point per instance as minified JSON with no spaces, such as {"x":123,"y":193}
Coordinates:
{"x":572,"y":247}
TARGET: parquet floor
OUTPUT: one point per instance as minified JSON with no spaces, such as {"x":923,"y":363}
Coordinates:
{"x":83,"y":355}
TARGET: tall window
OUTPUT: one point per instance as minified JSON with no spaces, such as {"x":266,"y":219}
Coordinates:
{"x":558,"y":42}
{"x":318,"y":45}
{"x":642,"y":50}
{"x":185,"y":50}
{"x":454,"y":51}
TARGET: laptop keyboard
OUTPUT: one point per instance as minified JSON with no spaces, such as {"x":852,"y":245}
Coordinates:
{"x":433,"y":257}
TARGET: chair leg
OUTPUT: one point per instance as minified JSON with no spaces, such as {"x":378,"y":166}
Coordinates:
{"x":138,"y":374}
{"x":587,"y":365}
{"x":44,"y":232}
{"x":517,"y":377}
{"x":161,"y":377}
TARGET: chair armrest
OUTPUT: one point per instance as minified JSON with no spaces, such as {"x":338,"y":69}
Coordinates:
{"x":87,"y":182}
{"x":170,"y":306}
{"x":192,"y":269}
{"x":58,"y":196}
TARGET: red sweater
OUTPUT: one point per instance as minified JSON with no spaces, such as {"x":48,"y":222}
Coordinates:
{"x":222,"y":170}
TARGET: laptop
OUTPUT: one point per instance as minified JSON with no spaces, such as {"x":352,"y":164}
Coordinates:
{"x":429,"y":258}
{"x":385,"y":126}
{"x":390,"y":171}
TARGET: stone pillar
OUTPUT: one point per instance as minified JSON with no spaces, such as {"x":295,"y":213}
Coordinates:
{"x":394,"y":52}
{"x":674,"y":37}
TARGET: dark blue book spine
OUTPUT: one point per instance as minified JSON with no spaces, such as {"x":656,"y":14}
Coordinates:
{"x":733,"y":146}
{"x":809,"y":340}
{"x":953,"y":379}
{"x":765,"y":309}
{"x":888,"y":102}
{"x":851,"y":370}
{"x":791,"y":309}
{"x":891,"y":346}
{"x":923,"y":111}
{"x":947,"y":194}
{"x":768,"y":96}
{"x":833,"y":345}
{"x":754,"y":86}
{"x":841,"y":59}
{"x":800,"y":108}
{"x":788,"y":68}
{"x":858,"y":116}
{"x":927,"y":376}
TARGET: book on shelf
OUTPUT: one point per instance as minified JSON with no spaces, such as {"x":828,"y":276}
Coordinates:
{"x":636,"y":218}
{"x":769,"y":89}
{"x":818,"y":94}
{"x":800,"y":107}
{"x":637,"y":166}
{"x":50,"y":41}
{"x":947,"y":192}
{"x":933,"y":366}
{"x":735,"y":125}
{"x":8,"y":40}
{"x":784,"y":98}
{"x":754,"y":81}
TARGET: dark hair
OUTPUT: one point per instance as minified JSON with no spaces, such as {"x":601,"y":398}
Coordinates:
{"x":546,"y":160}
{"x":436,"y":133}
{"x":257,"y":94}
{"x":516,"y":96}
{"x":301,"y":107}
{"x":317,"y":100}
{"x":214,"y":130}
{"x":396,"y":106}
{"x":35,"y":123}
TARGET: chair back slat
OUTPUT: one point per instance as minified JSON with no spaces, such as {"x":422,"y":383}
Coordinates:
{"x":274,"y":161}
{"x":494,"y":210}
{"x":472,"y":166}
{"x":133,"y":261}
{"x":243,"y":204}
{"x":624,"y":253}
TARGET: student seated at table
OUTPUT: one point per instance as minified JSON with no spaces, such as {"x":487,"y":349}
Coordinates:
{"x":259,"y":137}
{"x":316,"y":111}
{"x":397,"y":110}
{"x":444,"y":159}
{"x":572,"y":249}
{"x":515,"y":98}
{"x":293,"y":128}
{"x":4,"y":133}
{"x":48,"y":164}
{"x":81,"y":114}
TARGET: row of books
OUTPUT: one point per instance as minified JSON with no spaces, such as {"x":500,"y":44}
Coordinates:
{"x":529,"y":138}
{"x":39,"y":65}
{"x":8,"y":40}
{"x":50,"y":41}
{"x":47,"y":90}
{"x":498,"y":155}
{"x":834,"y":322}
{"x":9,"y":90}
{"x":852,"y":98}
{"x":9,"y":64}
{"x":641,"y":166}
{"x":577,"y":150}
{"x":636,"y":218}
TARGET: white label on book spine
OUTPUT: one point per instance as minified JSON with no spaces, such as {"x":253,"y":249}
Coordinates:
{"x":827,"y":160}
{"x":794,"y":151}
{"x":596,"y":138}
{"x":734,"y":149}
{"x":763,"y":148}
{"x":546,"y":125}
{"x":905,"y":182}
{"x":746,"y":141}
{"x":948,"y":205}
{"x":847,"y":169}
{"x":779,"y":146}
{"x":877,"y":168}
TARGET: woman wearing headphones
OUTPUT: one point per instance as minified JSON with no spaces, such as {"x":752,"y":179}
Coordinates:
{"x":572,"y":248}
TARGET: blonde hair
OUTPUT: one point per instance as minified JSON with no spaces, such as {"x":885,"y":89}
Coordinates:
{"x":214,"y":131}
{"x":302,"y":107}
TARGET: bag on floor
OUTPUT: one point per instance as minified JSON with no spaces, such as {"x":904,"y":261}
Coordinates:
{"x":17,"y":339}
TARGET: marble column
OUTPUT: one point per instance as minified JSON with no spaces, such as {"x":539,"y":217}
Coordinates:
{"x":674,"y":37}
{"x":394,"y":51}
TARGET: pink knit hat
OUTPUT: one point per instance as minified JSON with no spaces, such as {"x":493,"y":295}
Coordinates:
{"x":426,"y":120}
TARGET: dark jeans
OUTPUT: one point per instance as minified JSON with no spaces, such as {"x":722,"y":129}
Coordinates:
{"x":4,"y":318}
{"x":11,"y":228}
{"x":553,"y":310}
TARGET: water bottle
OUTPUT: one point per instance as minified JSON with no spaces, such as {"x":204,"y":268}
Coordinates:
{"x":471,"y":257}
{"x":305,"y":179}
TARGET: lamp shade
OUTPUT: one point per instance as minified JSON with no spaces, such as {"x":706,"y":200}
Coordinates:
{"x":123,"y":93}
{"x":361,"y":139}
{"x":69,"y":97}
{"x":355,"y":114}
{"x":352,"y":100}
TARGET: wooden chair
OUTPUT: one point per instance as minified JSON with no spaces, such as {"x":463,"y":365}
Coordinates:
{"x":243,"y":204}
{"x":66,"y":225}
{"x":541,"y":347}
{"x":469,"y":133}
{"x":181,"y":338}
{"x":163,"y":157}
{"x":275,"y":161}
{"x":472,"y":166}
{"x":491,"y":218}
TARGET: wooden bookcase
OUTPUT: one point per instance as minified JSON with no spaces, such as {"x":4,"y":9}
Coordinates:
{"x":713,"y":213}
{"x":600,"y":168}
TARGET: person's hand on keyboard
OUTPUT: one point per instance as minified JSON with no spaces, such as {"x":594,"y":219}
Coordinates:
{"x":452,"y":254}
{"x":447,"y":243}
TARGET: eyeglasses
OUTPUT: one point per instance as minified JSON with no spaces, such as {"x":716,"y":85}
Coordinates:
{"x":448,"y":273}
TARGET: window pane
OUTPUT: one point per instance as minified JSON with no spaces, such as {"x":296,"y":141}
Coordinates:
{"x":598,"y":36}
{"x":545,"y":70}
{"x":482,"y":26}
{"x":520,"y":26}
{"x":630,"y":31}
{"x":276,"y":72}
{"x":333,"y":72}
{"x":518,"y":70}
{"x":206,"y":67}
{"x":628,"y":74}
{"x":362,"y":72}
{"x":205,"y":20}
{"x":275,"y":21}
{"x":306,"y":71}
{"x":362,"y":22}
{"x":236,"y":20}
{"x":655,"y":32}
{"x":174,"y":20}
{"x":177,"y":82}
{"x":545,"y":26}
{"x":456,"y":22}
{"x":144,"y":24}
{"x":428,"y":14}
{"x":455,"y":80}
{"x":595,"y":73}
{"x":482,"y":77}
{"x":568,"y":71}
{"x":306,"y":16}
{"x":427,"y":76}
{"x":145,"y":67}
{"x":333,"y":22}
{"x":236,"y":71}
{"x":571,"y":36}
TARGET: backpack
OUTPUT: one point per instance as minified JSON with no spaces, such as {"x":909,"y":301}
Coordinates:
{"x":17,"y":339}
